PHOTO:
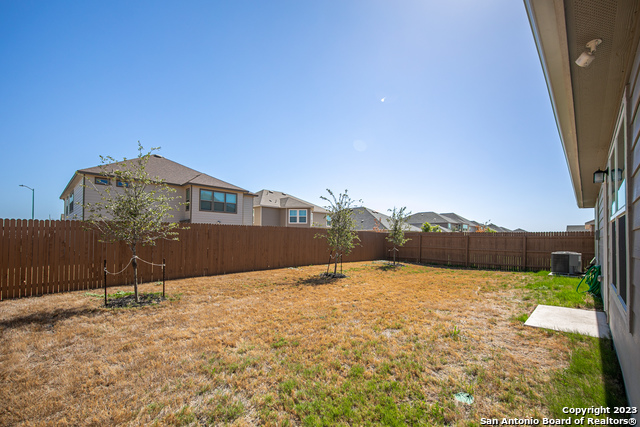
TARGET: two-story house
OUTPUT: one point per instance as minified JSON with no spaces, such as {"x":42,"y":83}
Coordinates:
{"x":199,"y":198}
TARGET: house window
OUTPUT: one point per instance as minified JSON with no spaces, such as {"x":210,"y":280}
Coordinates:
{"x":71,"y":203}
{"x":617,"y":194}
{"x":187,"y":200}
{"x":102,"y":181}
{"x":297,"y":216}
{"x":328,"y":221}
{"x":218,"y":202}
{"x":122,"y":184}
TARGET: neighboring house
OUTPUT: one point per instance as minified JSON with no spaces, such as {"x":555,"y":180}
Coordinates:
{"x":595,"y":102}
{"x":418,"y":219}
{"x":283,"y":210}
{"x":589,"y":225}
{"x":206,"y":199}
{"x":498,"y":229}
{"x":463,"y":223}
{"x":519,"y":230}
{"x":576,"y":228}
{"x":368,"y":219}
{"x":451,"y":222}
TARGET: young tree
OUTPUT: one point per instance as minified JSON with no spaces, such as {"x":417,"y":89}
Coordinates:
{"x":397,"y":226}
{"x":341,"y":236}
{"x":428,"y":228}
{"x":134,"y":209}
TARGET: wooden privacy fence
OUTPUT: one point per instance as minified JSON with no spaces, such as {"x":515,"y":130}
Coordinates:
{"x":43,"y":257}
{"x":506,"y":251}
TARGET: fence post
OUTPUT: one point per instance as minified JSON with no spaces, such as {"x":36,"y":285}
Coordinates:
{"x":420,"y":248}
{"x":466,"y":263}
{"x":524,"y":252}
{"x":105,"y":282}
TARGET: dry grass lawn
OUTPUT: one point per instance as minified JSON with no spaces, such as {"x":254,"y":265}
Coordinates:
{"x":282,"y":347}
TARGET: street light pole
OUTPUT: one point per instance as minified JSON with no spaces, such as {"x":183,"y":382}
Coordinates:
{"x":33,"y":198}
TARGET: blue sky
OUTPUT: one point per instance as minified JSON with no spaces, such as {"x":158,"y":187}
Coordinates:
{"x":437,"y":106}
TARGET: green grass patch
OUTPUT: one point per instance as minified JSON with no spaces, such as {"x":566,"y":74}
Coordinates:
{"x":558,"y":291}
{"x":593,"y":378}
{"x":225,"y":409}
{"x":520,"y":318}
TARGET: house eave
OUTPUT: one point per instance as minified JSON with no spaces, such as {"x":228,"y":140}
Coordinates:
{"x":68,"y":186}
{"x":547,"y":20}
{"x":585,"y":101}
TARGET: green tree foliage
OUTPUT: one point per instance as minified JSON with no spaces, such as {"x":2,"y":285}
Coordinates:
{"x":134,"y":208}
{"x":428,"y":228}
{"x":342,"y":235}
{"x":397,"y":226}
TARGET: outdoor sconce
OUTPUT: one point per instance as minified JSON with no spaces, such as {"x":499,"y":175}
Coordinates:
{"x":617,"y":175}
{"x":600,"y":175}
{"x":586,"y":58}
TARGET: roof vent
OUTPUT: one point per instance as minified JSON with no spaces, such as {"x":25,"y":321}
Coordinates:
{"x":158,"y":156}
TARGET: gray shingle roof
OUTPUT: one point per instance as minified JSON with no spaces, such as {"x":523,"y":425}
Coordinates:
{"x":278,"y":199}
{"x":430,"y":217}
{"x":498,"y":228}
{"x":171,"y":172}
{"x":368,"y":219}
{"x":457,"y":218}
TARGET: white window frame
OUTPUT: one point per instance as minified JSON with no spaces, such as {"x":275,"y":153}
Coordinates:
{"x":614,"y":214}
{"x":297,"y":216}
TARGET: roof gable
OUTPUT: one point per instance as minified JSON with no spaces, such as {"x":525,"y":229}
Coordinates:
{"x":430,"y":217}
{"x":169,"y":171}
{"x":368,"y":219}
{"x":280,"y":200}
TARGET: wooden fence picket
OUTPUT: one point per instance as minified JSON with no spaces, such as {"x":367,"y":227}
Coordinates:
{"x":42,"y":257}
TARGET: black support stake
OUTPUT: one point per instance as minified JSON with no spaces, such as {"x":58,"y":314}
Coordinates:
{"x":164,"y":265}
{"x":105,"y":282}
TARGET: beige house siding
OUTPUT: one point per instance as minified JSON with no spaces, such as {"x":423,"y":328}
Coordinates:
{"x":627,"y":329}
{"x":271,"y":216}
{"x":78,"y":200}
{"x":319,"y":220}
{"x":247,"y":209}
{"x":179,"y":212}
{"x":623,"y":319}
{"x":92,"y":195}
{"x":209,"y":217}
{"x":257,"y":215}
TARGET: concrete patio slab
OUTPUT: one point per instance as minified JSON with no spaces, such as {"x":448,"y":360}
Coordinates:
{"x":585,"y":322}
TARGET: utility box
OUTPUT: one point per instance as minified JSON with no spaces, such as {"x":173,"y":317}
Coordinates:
{"x":566,"y":263}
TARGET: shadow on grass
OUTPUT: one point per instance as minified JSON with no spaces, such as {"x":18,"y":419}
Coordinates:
{"x":129,"y":301}
{"x":614,"y":391}
{"x":389,"y":266}
{"x":48,"y":318}
{"x":322,"y":279}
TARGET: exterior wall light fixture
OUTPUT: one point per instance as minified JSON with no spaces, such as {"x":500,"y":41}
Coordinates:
{"x":586,"y":58}
{"x":599,"y":176}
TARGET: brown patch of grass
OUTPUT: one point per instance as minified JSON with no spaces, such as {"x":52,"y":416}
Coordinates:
{"x":281,"y":346}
